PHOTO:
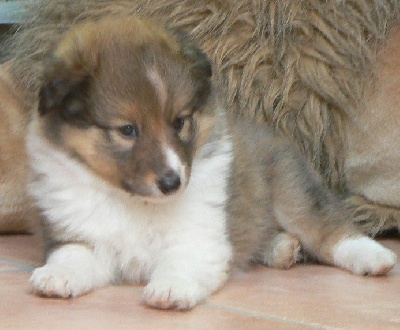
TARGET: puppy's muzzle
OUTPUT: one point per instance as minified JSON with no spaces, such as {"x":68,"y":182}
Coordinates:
{"x":169,"y":183}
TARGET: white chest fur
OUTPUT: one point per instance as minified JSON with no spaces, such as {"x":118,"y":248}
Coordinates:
{"x":129,"y":236}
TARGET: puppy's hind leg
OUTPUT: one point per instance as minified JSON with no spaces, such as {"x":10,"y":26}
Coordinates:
{"x":71,"y":270}
{"x":282,"y":250}
{"x":309,"y":211}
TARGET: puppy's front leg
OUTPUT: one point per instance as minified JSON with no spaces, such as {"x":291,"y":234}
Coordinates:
{"x":71,"y":270}
{"x":186,"y":274}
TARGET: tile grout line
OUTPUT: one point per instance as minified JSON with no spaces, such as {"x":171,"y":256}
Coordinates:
{"x":263,"y":316}
{"x":257,"y":315}
{"x":26,"y":268}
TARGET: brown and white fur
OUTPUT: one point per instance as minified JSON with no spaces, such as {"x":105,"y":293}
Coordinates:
{"x":142,"y":177}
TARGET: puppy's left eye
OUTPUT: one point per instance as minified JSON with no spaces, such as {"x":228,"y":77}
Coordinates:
{"x":179,"y":123}
{"x":128,"y":131}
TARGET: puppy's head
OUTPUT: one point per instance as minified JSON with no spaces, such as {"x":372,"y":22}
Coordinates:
{"x":130,"y":101}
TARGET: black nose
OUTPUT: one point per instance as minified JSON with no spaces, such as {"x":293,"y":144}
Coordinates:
{"x":169,"y":183}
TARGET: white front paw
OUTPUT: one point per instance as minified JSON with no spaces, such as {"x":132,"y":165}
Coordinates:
{"x":364,"y":256}
{"x":172,"y":293}
{"x":53,"y":281}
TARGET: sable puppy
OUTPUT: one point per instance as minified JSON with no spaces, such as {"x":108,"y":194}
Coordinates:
{"x":142,"y":177}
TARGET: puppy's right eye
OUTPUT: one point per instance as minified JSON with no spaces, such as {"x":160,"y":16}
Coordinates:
{"x":128,"y":131}
{"x":179,"y":123}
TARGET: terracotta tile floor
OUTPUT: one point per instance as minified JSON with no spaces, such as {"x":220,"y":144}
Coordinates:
{"x":304,"y":297}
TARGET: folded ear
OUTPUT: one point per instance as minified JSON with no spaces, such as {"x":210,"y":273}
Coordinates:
{"x":199,"y":63}
{"x":65,"y":97}
{"x":58,"y":94}
{"x":67,"y":74}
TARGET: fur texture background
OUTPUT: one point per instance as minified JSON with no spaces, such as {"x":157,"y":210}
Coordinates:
{"x":300,"y":65}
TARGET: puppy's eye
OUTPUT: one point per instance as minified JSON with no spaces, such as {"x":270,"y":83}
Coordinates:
{"x":179,"y":123}
{"x":128,"y":131}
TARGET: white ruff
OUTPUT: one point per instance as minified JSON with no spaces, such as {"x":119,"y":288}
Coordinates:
{"x":180,"y":247}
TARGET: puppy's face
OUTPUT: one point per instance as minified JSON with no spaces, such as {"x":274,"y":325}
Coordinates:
{"x":129,"y":101}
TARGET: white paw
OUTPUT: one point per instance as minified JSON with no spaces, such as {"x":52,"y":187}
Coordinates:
{"x":172,"y":293}
{"x":363,"y":256}
{"x":53,"y":281}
